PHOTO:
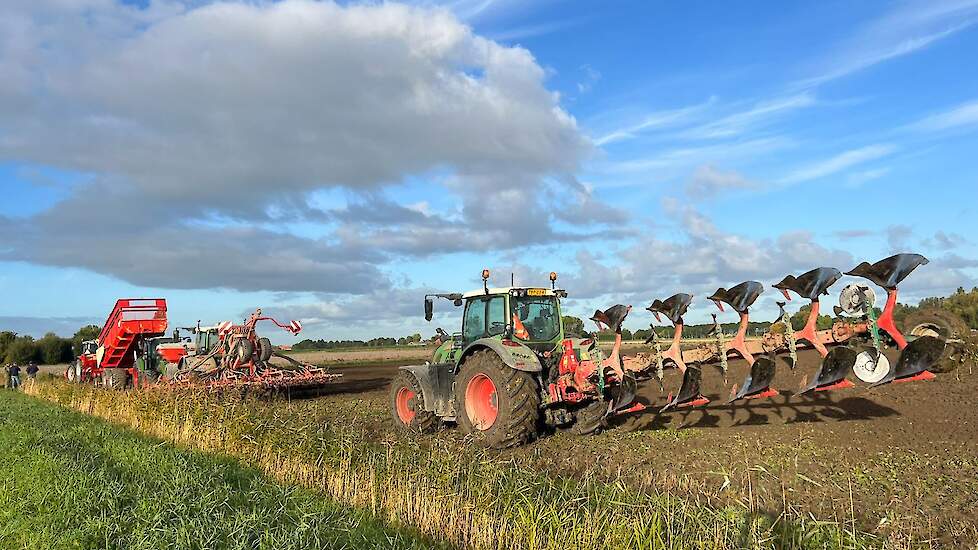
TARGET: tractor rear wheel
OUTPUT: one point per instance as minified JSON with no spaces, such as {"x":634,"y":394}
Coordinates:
{"x":498,"y":405}
{"x":115,"y":379}
{"x":407,"y":406}
{"x":942,"y":324}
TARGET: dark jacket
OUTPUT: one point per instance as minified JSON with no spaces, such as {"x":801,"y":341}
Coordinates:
{"x":14,"y":371}
{"x":32,"y":370}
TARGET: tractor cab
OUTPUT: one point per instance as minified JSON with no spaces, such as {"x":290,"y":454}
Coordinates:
{"x":206,"y":339}
{"x":89,"y":347}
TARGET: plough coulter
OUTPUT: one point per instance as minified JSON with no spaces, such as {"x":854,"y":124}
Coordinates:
{"x":132,"y":351}
{"x":512,"y":369}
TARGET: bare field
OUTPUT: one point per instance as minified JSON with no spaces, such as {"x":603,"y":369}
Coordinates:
{"x":900,"y":461}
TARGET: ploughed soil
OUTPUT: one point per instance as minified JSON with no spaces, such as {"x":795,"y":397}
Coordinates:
{"x":900,"y":461}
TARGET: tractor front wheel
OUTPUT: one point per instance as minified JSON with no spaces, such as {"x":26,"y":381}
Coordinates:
{"x":498,"y":405}
{"x":407,"y":406}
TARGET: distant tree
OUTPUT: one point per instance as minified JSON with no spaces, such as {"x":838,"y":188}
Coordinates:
{"x":22,"y":350}
{"x":6,"y":338}
{"x":799,"y":319}
{"x":53,"y":349}
{"x":573,"y":326}
{"x":88,"y":332}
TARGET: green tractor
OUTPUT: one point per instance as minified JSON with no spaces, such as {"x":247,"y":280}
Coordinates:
{"x":513,"y":372}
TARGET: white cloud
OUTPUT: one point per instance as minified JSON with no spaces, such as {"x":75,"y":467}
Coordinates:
{"x":654,"y":121}
{"x":911,"y":27}
{"x":838,"y":163}
{"x":235,"y":112}
{"x":708,"y":181}
{"x":965,"y":114}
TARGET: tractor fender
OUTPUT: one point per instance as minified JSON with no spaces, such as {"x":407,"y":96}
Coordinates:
{"x":514,"y":354}
{"x":437,"y":382}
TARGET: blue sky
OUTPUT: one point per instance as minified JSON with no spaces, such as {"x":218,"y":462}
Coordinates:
{"x":334,"y":162}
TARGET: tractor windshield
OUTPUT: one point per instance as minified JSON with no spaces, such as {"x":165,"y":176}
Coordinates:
{"x":535,"y":318}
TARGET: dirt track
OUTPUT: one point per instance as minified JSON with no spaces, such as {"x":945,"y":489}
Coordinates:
{"x":898,"y":459}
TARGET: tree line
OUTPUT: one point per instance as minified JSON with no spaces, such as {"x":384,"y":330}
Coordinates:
{"x":53,"y":349}
{"x":321,"y":344}
{"x":49,"y":350}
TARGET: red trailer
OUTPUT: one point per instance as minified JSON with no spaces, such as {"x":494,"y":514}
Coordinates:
{"x":110,"y":359}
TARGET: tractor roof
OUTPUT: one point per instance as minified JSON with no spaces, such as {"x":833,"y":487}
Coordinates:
{"x":509,"y":289}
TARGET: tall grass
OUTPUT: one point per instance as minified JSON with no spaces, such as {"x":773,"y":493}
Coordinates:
{"x":72,"y":481}
{"x":466,"y":498}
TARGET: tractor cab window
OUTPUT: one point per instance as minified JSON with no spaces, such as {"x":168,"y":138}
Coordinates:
{"x":537,"y":318}
{"x":484,"y":317}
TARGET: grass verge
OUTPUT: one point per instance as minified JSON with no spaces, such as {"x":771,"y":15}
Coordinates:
{"x":73,"y":481}
{"x":466,"y":497}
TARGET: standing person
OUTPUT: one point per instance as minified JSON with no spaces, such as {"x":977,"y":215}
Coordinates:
{"x":14,"y":376}
{"x":32,"y":374}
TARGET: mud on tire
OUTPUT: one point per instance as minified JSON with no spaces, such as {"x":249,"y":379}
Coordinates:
{"x":516,"y":398}
{"x":945,"y":325}
{"x":407,"y":407}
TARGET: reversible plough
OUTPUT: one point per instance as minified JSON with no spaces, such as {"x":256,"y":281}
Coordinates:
{"x":856,"y":337}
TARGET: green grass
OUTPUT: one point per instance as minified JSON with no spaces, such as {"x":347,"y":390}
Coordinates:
{"x":465,"y":495}
{"x":74,"y":481}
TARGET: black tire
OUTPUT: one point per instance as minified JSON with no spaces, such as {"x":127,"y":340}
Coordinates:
{"x":148,"y":378}
{"x":72,"y":373}
{"x":934,"y":322}
{"x":942,"y":324}
{"x":243,"y":349}
{"x":517,"y":402}
{"x":115,"y":379}
{"x":265,"y":349}
{"x":417,"y":420}
{"x":590,"y":419}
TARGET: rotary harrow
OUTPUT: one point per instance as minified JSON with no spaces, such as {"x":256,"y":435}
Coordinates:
{"x":133,"y":351}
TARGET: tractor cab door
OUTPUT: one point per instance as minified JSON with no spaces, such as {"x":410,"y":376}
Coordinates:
{"x":484,"y":317}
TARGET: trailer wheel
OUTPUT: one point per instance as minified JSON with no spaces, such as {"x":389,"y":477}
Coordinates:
{"x":115,"y":379}
{"x":498,"y":405}
{"x":589,"y":419}
{"x":407,"y":407}
{"x":942,"y":324}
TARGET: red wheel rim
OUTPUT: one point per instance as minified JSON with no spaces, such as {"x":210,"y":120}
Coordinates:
{"x":402,"y":402}
{"x":481,"y":404}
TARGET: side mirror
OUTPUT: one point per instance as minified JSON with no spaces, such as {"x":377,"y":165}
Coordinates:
{"x":429,"y":309}
{"x":457,"y":302}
